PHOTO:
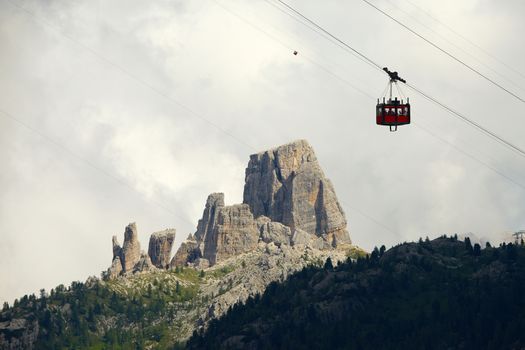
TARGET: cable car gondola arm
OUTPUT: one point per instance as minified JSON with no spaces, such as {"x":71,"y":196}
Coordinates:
{"x":394,"y":76}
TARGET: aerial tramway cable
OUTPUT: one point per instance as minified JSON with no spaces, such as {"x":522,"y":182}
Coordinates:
{"x":457,"y":148}
{"x":445,"y":52}
{"x":458,"y":47}
{"x":486,"y":52}
{"x":432,"y":99}
{"x":368,"y":95}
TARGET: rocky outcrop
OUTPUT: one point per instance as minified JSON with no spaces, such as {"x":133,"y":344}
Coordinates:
{"x":117,"y":250}
{"x":253,"y":272}
{"x":115,"y":269}
{"x":206,"y":225}
{"x":234,"y":233}
{"x":160,"y":245}
{"x":130,"y":259}
{"x":271,"y":231}
{"x":18,"y":333}
{"x":130,"y":253}
{"x":188,"y":252}
{"x":116,"y":264}
{"x":222,"y":232}
{"x":288,"y":185}
{"x":292,"y":201}
{"x":144,"y":264}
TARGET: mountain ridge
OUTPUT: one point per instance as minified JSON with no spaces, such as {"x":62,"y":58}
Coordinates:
{"x":157,"y":300}
{"x":440,"y":294}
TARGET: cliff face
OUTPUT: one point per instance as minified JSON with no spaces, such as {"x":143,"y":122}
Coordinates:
{"x":234,"y":234}
{"x":287,"y":200}
{"x":131,"y":248}
{"x":159,"y":250}
{"x":288,"y":185}
{"x":127,"y":256}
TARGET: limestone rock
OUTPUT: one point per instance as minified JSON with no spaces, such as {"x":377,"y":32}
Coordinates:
{"x":131,"y":248}
{"x":160,"y":245}
{"x":205,"y":225}
{"x":144,"y":264}
{"x":125,"y":257}
{"x":301,"y":237}
{"x":18,"y":333}
{"x":117,"y":250}
{"x":271,"y":231}
{"x":115,"y":269}
{"x":187,"y":252}
{"x":223,"y":231}
{"x":288,"y":185}
{"x":235,"y":232}
{"x":272,"y":249}
{"x":201,"y":263}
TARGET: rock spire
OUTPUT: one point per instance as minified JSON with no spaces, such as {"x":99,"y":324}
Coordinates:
{"x":159,"y":250}
{"x":288,"y":185}
{"x":287,"y":200}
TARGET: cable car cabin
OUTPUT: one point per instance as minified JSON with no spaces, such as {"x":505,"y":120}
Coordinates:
{"x":393,"y":113}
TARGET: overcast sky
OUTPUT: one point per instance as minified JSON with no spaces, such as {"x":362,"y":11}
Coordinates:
{"x":119,"y":111}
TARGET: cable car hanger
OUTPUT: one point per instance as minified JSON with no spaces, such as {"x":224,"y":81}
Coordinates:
{"x":393,"y":112}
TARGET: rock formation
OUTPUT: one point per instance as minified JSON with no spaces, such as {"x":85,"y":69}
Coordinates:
{"x":235,"y":233}
{"x":130,"y":259}
{"x":115,"y":269}
{"x":125,"y":257}
{"x":205,"y":227}
{"x":287,"y":200}
{"x":288,"y":185}
{"x":271,"y":231}
{"x":130,"y":253}
{"x":187,"y":252}
{"x":144,"y":264}
{"x":160,"y":244}
{"x":223,"y":231}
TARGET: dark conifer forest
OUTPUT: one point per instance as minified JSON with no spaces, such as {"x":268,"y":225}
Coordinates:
{"x":440,"y":294}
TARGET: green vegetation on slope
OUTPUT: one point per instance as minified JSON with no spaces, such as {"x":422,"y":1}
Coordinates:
{"x":441,"y":294}
{"x":117,"y":314}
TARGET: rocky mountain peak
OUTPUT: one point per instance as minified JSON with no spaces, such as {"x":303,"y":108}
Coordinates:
{"x":130,"y":254}
{"x":130,"y":259}
{"x":205,"y":225}
{"x":288,"y":185}
{"x":159,"y":250}
{"x":287,"y":201}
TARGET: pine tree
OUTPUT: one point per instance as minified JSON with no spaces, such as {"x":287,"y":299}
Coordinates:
{"x":468,"y":245}
{"x":328,"y":264}
{"x":382,"y":250}
{"x":477,"y":250}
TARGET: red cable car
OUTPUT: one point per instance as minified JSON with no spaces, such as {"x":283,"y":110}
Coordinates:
{"x":393,"y":112}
